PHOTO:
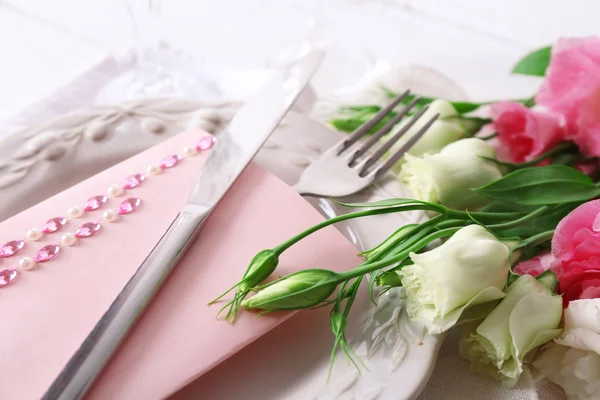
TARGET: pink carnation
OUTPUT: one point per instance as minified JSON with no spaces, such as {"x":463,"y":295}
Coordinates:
{"x":536,"y":265}
{"x":524,"y":132}
{"x":576,"y":251}
{"x":572,"y":88}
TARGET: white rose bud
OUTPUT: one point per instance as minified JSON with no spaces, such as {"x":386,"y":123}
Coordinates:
{"x":439,"y":135}
{"x":573,"y":361}
{"x":448,"y":177}
{"x":467,"y":270}
{"x":526,"y":318}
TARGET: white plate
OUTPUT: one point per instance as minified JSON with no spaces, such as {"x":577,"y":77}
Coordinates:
{"x":46,"y":159}
{"x":291,"y":361}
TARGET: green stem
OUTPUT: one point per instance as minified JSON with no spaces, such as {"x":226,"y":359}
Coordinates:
{"x":370,"y":267}
{"x":423,"y":227}
{"x":488,"y":137}
{"x":452,"y":223}
{"x":388,"y":210}
{"x":484,"y":216}
{"x":558,"y":149}
{"x":538,"y":239}
{"x":536,"y":213}
{"x":410,"y":242}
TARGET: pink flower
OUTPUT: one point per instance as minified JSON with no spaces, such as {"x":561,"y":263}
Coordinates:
{"x":526,"y":133}
{"x":536,"y":265}
{"x":576,"y":251}
{"x":572,"y":88}
{"x":590,"y":168}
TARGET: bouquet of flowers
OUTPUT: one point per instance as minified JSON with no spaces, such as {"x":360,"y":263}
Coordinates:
{"x":517,"y":215}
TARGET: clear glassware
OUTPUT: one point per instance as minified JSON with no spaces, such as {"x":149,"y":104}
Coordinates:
{"x":155,"y":69}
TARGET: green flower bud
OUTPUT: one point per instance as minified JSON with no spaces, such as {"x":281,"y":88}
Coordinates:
{"x":368,"y":254}
{"x":261,"y":267}
{"x":389,"y":279}
{"x":299,"y":290}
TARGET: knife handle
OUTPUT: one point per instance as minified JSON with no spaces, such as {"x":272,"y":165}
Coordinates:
{"x":94,"y":353}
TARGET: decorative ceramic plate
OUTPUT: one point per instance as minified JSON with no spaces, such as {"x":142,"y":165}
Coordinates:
{"x":42,"y":161}
{"x":288,"y":362}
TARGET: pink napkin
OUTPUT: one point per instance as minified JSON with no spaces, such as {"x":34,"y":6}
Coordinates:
{"x":47,"y":312}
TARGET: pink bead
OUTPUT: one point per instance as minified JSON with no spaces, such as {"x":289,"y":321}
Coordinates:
{"x":170,"y":161}
{"x":87,"y":229}
{"x":129,"y":205}
{"x":94,"y":203}
{"x":47,"y":253}
{"x":54,"y":224}
{"x":7,"y":276}
{"x":133,"y":181}
{"x":205,"y":143}
{"x":11,"y":248}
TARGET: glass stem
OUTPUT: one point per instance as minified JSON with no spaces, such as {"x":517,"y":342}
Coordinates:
{"x":144,"y":19}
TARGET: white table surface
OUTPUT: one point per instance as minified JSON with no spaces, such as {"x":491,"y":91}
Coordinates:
{"x":44,"y":44}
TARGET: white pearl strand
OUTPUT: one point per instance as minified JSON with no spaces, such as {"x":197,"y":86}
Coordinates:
{"x":153,"y":169}
{"x":33,"y":235}
{"x":74,"y":212}
{"x":114,"y":191}
{"x":69,"y":239}
{"x":109,"y":216}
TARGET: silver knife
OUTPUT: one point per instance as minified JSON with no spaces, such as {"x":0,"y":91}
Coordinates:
{"x":234,"y":150}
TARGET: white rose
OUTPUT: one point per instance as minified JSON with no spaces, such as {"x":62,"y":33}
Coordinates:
{"x":448,"y":177}
{"x":573,"y":361}
{"x":467,"y":270}
{"x":526,"y":318}
{"x":439,"y":135}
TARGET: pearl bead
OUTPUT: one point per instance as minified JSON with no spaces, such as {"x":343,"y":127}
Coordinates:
{"x":109,"y":216}
{"x":189,"y":151}
{"x":33,"y":234}
{"x":74,"y":212}
{"x":153,"y":169}
{"x":68,"y":239}
{"x":26,"y":263}
{"x":115,"y":191}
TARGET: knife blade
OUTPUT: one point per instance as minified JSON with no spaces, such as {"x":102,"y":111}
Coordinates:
{"x":234,"y":150}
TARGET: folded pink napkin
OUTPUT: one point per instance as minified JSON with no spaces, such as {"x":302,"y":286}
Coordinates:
{"x":48,"y":311}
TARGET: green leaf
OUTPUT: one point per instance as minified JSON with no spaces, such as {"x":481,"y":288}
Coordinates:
{"x":356,"y":117}
{"x":534,"y":63}
{"x":463,"y":107}
{"x":542,"y":223}
{"x":552,"y":184}
{"x":498,"y":206}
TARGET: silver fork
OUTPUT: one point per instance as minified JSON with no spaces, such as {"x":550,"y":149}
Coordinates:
{"x":350,"y":165}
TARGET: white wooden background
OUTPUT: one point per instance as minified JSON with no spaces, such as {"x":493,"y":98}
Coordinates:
{"x":43,"y":43}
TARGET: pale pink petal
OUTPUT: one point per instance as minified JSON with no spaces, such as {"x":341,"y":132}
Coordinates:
{"x":536,"y":265}
{"x":572,"y":89}
{"x":526,"y":134}
{"x":576,"y":248}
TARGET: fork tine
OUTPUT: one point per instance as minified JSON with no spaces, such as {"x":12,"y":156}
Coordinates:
{"x":387,"y":145}
{"x":367,"y":126}
{"x":389,"y":163}
{"x":384,"y":129}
